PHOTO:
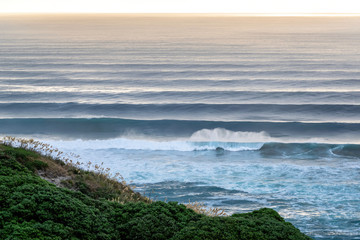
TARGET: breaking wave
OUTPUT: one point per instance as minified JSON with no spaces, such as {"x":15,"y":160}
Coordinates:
{"x":220,"y":139}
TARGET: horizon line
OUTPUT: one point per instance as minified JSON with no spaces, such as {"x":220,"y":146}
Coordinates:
{"x":197,"y":14}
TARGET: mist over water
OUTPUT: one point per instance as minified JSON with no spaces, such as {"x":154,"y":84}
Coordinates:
{"x":237,"y":112}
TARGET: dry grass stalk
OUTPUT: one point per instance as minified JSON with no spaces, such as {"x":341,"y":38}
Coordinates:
{"x":202,"y":209}
{"x":70,"y":162}
{"x":70,"y":159}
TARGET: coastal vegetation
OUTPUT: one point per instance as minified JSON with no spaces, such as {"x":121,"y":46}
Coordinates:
{"x":44,"y":195}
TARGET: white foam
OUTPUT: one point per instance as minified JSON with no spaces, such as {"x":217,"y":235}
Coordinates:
{"x":224,"y":135}
{"x":205,"y":139}
{"x":136,"y":144}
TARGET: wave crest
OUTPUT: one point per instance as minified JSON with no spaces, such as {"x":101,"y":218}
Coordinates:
{"x":224,"y":135}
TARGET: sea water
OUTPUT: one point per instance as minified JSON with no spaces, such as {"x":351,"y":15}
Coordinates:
{"x":239,"y":113}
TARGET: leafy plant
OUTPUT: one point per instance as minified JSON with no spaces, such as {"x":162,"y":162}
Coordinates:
{"x":33,"y":208}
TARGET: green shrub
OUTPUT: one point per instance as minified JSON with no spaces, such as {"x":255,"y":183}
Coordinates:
{"x":32,"y":208}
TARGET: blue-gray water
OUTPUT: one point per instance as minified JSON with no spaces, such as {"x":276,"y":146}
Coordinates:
{"x":154,"y":97}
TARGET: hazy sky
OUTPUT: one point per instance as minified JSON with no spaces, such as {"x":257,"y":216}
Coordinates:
{"x":182,"y":6}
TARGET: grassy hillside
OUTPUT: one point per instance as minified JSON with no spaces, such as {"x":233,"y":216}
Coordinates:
{"x":78,"y":207}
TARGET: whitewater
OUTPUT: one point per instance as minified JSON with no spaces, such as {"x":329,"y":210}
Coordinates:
{"x":235,"y":112}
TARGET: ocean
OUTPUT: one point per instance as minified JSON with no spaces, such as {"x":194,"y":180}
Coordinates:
{"x":235,"y":112}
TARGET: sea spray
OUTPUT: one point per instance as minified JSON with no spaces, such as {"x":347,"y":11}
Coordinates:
{"x":224,"y":135}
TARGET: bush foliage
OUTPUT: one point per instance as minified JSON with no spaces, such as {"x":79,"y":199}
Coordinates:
{"x":32,"y":208}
